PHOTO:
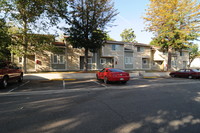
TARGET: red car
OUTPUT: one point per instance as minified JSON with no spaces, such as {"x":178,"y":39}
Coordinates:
{"x":9,"y":72}
{"x":186,"y":73}
{"x":112,"y":74}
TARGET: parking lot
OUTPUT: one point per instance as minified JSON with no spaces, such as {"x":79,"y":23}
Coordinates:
{"x":143,"y":105}
{"x":81,"y":84}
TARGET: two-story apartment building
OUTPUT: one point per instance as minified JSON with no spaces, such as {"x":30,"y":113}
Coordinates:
{"x":117,"y":54}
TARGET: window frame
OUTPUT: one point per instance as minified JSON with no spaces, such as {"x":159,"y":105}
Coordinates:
{"x":128,"y":60}
{"x":140,"y":49}
{"x":63,"y":59}
{"x":89,"y":60}
{"x":104,"y":61}
{"x":20,"y":60}
{"x":115,"y":47}
{"x":56,"y":59}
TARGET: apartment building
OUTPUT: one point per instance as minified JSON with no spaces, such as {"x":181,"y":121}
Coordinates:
{"x":116,"y":54}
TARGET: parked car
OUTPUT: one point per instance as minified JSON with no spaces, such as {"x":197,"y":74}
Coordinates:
{"x":112,"y":74}
{"x":186,"y":73}
{"x":9,"y":72}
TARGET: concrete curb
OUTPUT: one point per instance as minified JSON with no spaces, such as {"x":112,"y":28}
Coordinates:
{"x":78,"y":76}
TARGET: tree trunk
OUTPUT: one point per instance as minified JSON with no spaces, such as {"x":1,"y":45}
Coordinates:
{"x":169,"y":59}
{"x":25,"y":44}
{"x":86,"y":60}
{"x":190,"y":62}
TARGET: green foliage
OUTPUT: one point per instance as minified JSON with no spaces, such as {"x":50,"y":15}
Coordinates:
{"x":194,"y":52}
{"x":128,"y":35}
{"x":87,"y":20}
{"x":37,"y":43}
{"x":5,"y":41}
{"x":175,"y":23}
{"x":109,"y":38}
{"x":25,"y":14}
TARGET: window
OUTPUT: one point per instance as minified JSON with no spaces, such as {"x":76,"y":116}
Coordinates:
{"x":174,"y":61}
{"x":55,"y":59}
{"x":115,"y":47}
{"x":140,"y":49}
{"x":182,"y":70}
{"x":116,"y":70}
{"x":89,"y":60}
{"x":187,"y":70}
{"x":128,"y":60}
{"x":144,"y":61}
{"x":58,"y":59}
{"x":181,"y":53}
{"x":102,"y":61}
{"x":61,"y":59}
{"x":20,"y":59}
{"x":164,"y":52}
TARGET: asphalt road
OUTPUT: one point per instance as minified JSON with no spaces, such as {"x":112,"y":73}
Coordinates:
{"x":89,"y":106}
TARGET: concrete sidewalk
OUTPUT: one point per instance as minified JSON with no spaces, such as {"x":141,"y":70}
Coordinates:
{"x":65,"y":75}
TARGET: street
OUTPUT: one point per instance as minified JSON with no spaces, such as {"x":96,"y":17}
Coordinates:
{"x":159,"y":105}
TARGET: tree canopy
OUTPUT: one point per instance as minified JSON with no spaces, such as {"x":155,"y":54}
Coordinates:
{"x":175,"y":23}
{"x":128,"y":35}
{"x":194,"y":52}
{"x":5,"y":40}
{"x":26,"y":13}
{"x":87,"y":20}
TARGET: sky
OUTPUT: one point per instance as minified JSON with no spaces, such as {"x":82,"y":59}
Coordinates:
{"x":130,"y":15}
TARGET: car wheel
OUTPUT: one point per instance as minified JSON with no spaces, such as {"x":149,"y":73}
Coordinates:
{"x":123,"y":82}
{"x":105,"y":80}
{"x":97,"y":77}
{"x":20,"y":78}
{"x":173,"y":76}
{"x":190,"y":77}
{"x":4,"y":82}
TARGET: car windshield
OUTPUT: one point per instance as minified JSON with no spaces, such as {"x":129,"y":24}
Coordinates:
{"x":116,"y":70}
{"x":196,"y":70}
{"x":181,"y":70}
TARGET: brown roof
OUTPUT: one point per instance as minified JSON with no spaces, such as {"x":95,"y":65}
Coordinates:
{"x":59,"y":43}
{"x":142,"y":44}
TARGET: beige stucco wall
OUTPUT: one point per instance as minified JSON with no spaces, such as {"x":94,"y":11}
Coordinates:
{"x":43,"y":65}
{"x":118,"y":54}
{"x":137,"y":57}
{"x":158,"y":55}
{"x":180,"y":59}
{"x":73,"y":57}
{"x":44,"y":61}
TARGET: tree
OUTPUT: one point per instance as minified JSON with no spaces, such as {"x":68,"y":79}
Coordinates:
{"x":174,"y":23}
{"x":87,"y":20}
{"x":128,"y":35}
{"x":5,"y":40}
{"x":194,"y":52}
{"x":108,"y":38}
{"x":26,"y":14}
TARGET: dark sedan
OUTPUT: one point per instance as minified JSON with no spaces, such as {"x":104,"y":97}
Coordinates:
{"x":9,"y":72}
{"x":186,"y":73}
